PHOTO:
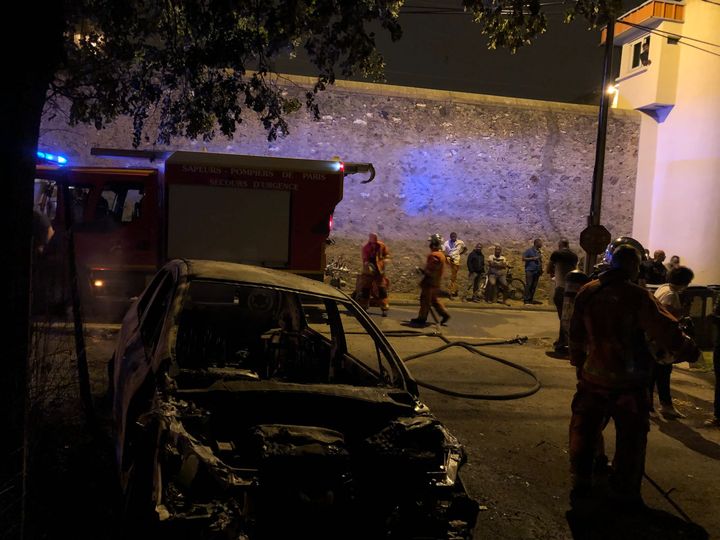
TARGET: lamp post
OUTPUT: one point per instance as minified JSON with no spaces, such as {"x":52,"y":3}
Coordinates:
{"x":595,"y":237}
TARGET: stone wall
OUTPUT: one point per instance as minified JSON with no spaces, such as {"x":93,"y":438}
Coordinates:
{"x":495,"y":170}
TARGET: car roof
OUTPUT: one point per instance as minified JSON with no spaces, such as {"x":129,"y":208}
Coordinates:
{"x":256,"y":275}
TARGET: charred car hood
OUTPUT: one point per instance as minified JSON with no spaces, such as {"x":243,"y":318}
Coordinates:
{"x":355,"y":411}
{"x":325,"y":456}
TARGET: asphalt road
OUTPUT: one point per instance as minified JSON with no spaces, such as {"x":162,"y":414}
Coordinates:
{"x":473,"y":322}
{"x":517,"y":450}
{"x":517,"y":465}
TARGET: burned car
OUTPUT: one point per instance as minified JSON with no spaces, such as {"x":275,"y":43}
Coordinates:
{"x":254,"y":403}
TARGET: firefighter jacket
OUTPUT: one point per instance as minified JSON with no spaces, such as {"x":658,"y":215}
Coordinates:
{"x":434,"y":269}
{"x":373,"y":256}
{"x":609,"y":331}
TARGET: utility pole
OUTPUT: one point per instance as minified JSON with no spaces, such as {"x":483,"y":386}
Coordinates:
{"x":594,"y":238}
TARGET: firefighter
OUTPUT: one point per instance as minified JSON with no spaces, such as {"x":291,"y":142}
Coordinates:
{"x":609,"y":349}
{"x":604,"y":263}
{"x":373,"y":282}
{"x":430,"y":283}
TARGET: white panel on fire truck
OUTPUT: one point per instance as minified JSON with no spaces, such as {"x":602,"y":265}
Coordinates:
{"x":228,"y":224}
{"x":227,"y":161}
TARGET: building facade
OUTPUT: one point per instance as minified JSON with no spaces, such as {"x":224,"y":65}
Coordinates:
{"x":670,"y":71}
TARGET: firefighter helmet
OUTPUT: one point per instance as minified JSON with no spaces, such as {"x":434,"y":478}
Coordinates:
{"x":436,"y":240}
{"x":623,"y":240}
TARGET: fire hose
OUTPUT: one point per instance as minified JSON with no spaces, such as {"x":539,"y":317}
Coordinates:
{"x":472,"y":348}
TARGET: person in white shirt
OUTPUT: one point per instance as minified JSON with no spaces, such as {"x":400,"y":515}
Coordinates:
{"x":453,"y":248}
{"x":668,"y":295}
{"x":497,"y":276}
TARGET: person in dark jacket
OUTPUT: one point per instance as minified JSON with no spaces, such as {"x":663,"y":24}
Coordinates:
{"x":654,"y":270}
{"x":609,"y":330}
{"x":532,"y":257}
{"x":562,"y":261}
{"x":476,"y":271}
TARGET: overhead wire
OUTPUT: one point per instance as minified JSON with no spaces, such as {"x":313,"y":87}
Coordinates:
{"x":438,"y":10}
{"x":678,"y":37}
{"x":444,"y":10}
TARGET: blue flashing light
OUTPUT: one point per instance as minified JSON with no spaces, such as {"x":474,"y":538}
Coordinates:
{"x":61,"y":160}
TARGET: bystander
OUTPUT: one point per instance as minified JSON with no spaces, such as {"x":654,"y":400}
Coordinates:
{"x":476,"y":271}
{"x":562,"y":261}
{"x":668,"y":295}
{"x":533,"y":269}
{"x":674,"y":263}
{"x":497,"y":277}
{"x":453,"y":249}
{"x":653,"y":270}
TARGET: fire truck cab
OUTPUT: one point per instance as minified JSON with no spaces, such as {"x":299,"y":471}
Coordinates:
{"x":126,"y":222}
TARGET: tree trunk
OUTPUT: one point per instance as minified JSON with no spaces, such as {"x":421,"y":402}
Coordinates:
{"x":27,"y":76}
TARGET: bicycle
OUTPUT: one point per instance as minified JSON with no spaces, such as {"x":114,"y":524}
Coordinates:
{"x":337,"y":271}
{"x":516,"y":286}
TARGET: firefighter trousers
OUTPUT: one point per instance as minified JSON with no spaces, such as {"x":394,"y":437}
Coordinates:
{"x":373,"y":290}
{"x":429,"y":297}
{"x":592,"y":407}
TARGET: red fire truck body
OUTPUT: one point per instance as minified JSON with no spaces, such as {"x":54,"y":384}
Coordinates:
{"x":273,"y":212}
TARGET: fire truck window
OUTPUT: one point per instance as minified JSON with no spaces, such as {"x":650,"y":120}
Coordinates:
{"x":131,"y":207}
{"x":79,"y":198}
{"x":103,"y":210}
{"x":120,"y":204}
{"x":46,"y":197}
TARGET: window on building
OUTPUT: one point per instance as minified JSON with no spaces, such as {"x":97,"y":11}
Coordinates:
{"x":641,"y":53}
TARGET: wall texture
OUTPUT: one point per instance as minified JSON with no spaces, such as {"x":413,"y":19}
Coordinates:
{"x":494,"y":170}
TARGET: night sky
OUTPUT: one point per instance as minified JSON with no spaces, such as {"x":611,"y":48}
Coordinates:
{"x":446,"y":51}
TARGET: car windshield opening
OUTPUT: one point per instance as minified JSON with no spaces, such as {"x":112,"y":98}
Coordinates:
{"x":241,"y":331}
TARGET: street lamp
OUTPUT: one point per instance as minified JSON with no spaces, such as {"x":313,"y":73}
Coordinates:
{"x":595,"y":237}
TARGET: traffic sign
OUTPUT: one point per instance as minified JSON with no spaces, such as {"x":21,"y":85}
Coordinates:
{"x":594,"y":239}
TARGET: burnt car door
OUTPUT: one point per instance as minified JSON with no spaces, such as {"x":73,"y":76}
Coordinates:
{"x":352,"y":346}
{"x":133,"y":378}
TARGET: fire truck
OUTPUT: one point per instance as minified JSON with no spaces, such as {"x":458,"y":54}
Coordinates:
{"x":127,"y":221}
